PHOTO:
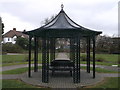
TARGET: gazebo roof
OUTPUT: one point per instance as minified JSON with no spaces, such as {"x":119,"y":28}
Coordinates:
{"x":61,"y":22}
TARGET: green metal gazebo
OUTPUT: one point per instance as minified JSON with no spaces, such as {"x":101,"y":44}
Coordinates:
{"x":61,"y":27}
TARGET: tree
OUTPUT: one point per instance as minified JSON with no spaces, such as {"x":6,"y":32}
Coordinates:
{"x":103,"y":44}
{"x":2,"y":25}
{"x":3,"y":28}
{"x":107,"y":44}
{"x":22,"y":42}
{"x":47,"y":20}
{"x":115,"y":46}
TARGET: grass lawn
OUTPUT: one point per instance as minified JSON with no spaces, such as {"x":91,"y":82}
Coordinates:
{"x":108,"y":59}
{"x":99,"y":63}
{"x":19,"y":84}
{"x":15,"y":84}
{"x":100,"y":70}
{"x":13,"y":58}
{"x":17,"y":71}
{"x":7,"y":60}
{"x":10,"y":64}
{"x":111,"y":82}
{"x":112,"y":58}
{"x":17,"y":58}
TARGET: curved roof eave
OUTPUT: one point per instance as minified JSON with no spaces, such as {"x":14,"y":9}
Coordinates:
{"x":62,"y":22}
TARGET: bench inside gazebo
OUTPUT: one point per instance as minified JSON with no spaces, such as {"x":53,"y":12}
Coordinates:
{"x":61,"y":65}
{"x":61,"y":27}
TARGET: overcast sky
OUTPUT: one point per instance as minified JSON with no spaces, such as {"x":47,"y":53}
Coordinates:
{"x":99,"y":15}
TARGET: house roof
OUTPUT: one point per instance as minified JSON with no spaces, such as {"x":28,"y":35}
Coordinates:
{"x":13,"y":33}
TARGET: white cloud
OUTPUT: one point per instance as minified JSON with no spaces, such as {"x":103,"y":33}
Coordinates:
{"x":11,"y":22}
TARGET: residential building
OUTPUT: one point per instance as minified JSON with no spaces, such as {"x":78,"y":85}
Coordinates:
{"x":12,"y":35}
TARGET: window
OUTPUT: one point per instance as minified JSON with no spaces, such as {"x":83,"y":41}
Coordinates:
{"x":15,"y":39}
{"x":8,"y":39}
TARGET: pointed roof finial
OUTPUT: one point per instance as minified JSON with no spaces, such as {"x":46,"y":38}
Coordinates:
{"x":62,"y":6}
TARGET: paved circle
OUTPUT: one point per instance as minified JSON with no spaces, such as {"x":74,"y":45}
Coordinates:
{"x":61,"y":79}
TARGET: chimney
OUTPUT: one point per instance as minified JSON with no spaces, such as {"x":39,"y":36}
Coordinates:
{"x":14,"y":29}
{"x":24,"y":30}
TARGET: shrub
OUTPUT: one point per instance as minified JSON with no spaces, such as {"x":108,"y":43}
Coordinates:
{"x":11,"y":48}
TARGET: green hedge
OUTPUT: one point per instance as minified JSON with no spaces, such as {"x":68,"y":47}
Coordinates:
{"x":11,"y":48}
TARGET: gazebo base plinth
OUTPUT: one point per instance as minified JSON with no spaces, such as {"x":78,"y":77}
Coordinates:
{"x":62,"y":79}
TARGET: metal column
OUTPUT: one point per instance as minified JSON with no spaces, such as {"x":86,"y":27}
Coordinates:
{"x":88,"y":54}
{"x":78,"y":60}
{"x":29,"y":71}
{"x":51,"y":49}
{"x":73,"y":57}
{"x":93,"y":57}
{"x":35,"y":54}
{"x":47,"y":59}
{"x":43,"y":58}
{"x":54,"y":48}
{"x":71,"y":50}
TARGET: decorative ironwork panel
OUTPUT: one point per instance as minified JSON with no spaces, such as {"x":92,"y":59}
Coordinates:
{"x":75,"y":43}
{"x":43,"y":59}
{"x":52,"y":49}
{"x":73,"y":56}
